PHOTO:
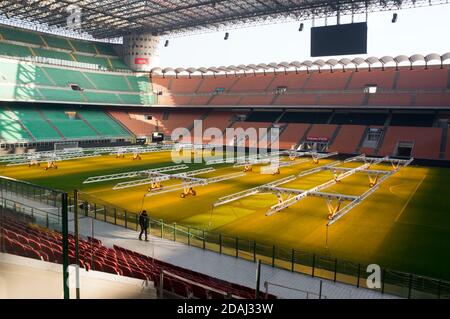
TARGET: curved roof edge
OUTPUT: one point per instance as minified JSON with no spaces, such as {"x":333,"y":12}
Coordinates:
{"x":307,"y":64}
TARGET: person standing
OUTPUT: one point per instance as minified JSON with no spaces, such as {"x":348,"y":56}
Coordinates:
{"x":143,"y":222}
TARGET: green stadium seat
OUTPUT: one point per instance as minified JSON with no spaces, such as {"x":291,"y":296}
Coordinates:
{"x":105,"y":49}
{"x":13,"y":50}
{"x":131,"y":99}
{"x":138,"y":99}
{"x":65,"y":77}
{"x":61,"y":95}
{"x":140,"y":83}
{"x":111,"y":82}
{"x":36,"y":124}
{"x":102,"y":98}
{"x":57,"y":42}
{"x":10,"y":128}
{"x":118,"y":64}
{"x":18,"y":35}
{"x":103,"y":62}
{"x":70,"y":128}
{"x":83,"y":46}
{"x":13,"y":92}
{"x":104,"y":124}
{"x":22,"y":73}
{"x":53,"y":54}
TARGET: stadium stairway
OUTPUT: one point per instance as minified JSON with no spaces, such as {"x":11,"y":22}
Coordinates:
{"x":42,"y":115}
{"x":89,"y":125}
{"x":381,"y":140}
{"x":447,"y":148}
{"x":444,"y":143}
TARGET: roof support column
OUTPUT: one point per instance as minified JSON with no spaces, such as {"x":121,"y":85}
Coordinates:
{"x":140,"y":51}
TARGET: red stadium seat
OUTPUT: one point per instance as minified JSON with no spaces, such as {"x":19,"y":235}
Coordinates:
{"x":199,"y":292}
{"x":180,"y":288}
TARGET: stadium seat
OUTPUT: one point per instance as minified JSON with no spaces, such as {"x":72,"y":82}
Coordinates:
{"x":327,"y":80}
{"x":199,"y":292}
{"x":348,"y":139}
{"x":180,"y":288}
{"x":45,"y":245}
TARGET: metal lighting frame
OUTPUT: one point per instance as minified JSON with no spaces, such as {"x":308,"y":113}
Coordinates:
{"x":112,"y":19}
{"x":288,"y":197}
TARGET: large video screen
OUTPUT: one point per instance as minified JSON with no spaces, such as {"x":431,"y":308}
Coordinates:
{"x":339,"y":39}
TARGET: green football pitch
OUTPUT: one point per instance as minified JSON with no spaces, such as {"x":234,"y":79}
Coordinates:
{"x":404,"y":225}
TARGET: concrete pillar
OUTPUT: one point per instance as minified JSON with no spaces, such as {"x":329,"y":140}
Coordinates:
{"x":140,"y":51}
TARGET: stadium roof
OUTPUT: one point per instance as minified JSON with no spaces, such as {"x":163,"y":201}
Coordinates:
{"x":113,"y":18}
{"x":319,"y":64}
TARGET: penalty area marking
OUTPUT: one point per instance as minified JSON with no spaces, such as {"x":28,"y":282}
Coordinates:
{"x":410,"y":197}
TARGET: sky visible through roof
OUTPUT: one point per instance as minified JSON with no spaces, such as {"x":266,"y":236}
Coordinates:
{"x":422,"y":30}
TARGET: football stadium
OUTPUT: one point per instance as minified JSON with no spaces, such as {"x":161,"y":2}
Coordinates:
{"x":123,"y":178}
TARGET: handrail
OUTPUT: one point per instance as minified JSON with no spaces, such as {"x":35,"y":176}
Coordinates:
{"x":30,"y":184}
{"x":32,"y":211}
{"x":66,"y":63}
{"x":308,"y":293}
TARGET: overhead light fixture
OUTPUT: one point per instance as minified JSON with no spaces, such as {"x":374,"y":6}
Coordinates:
{"x":394,"y":18}
{"x":301,"y":27}
{"x":227,"y":35}
{"x":166,"y":44}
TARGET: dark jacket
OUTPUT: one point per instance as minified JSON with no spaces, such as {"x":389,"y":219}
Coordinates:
{"x":143,"y":220}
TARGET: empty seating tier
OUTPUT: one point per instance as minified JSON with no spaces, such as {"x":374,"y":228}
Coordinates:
{"x":13,"y":50}
{"x":292,"y":135}
{"x":20,"y":35}
{"x":103,"y":123}
{"x":328,"y":80}
{"x":252,"y":83}
{"x":348,"y":139}
{"x":381,"y":79}
{"x":185,"y":85}
{"x":55,"y":123}
{"x":423,"y":79}
{"x":425,"y":141}
{"x":28,"y":240}
{"x":15,"y":42}
{"x":57,"y":42}
{"x":71,"y":128}
{"x":24,"y":81}
{"x":10,"y":128}
{"x":136,"y":123}
{"x":104,"y":62}
{"x":36,"y":124}
{"x":389,"y":87}
{"x":322,"y":131}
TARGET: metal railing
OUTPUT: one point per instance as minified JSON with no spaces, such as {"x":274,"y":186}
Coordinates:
{"x":65,"y":63}
{"x":22,"y":199}
{"x":393,"y":282}
{"x":305,"y":294}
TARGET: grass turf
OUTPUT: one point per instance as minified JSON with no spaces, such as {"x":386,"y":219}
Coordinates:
{"x":405,"y":225}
